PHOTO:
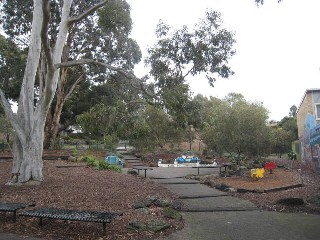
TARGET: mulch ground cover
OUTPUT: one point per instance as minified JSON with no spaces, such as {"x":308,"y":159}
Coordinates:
{"x":302,"y":184}
{"x":83,"y":188}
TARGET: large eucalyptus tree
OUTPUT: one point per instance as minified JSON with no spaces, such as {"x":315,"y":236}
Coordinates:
{"x":103,"y":35}
{"x":44,"y":62}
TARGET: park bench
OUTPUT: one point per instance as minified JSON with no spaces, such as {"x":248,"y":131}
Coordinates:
{"x":72,"y":215}
{"x":142,"y":168}
{"x":225,"y":166}
{"x":13,"y":207}
{"x":270,"y":166}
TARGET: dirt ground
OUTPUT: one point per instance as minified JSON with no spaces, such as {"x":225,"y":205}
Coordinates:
{"x":83,"y":188}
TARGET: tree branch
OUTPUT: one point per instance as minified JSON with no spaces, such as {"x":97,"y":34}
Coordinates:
{"x":73,"y":87}
{"x":44,"y":33}
{"x":9,"y":113}
{"x":122,"y":71}
{"x":184,"y":76}
{"x":87,"y":13}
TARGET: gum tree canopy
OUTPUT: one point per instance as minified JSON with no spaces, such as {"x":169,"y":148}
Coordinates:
{"x":43,"y":63}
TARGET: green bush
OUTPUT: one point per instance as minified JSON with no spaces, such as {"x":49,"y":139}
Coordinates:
{"x":292,"y":156}
{"x":115,"y":168}
{"x":100,"y":164}
{"x":172,"y":213}
{"x":90,"y":159}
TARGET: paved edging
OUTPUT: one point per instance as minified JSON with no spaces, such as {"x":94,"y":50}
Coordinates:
{"x":201,"y":196}
{"x":230,"y":209}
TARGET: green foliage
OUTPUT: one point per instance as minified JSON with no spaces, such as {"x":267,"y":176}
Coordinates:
{"x":290,"y":125}
{"x":90,"y":159}
{"x":115,"y":168}
{"x":109,"y":142}
{"x":103,"y":36}
{"x":293,"y":111}
{"x":6,"y":128}
{"x":12,"y":64}
{"x":153,"y":128}
{"x":100,"y":164}
{"x":180,"y":53}
{"x":171,"y":213}
{"x":115,"y":17}
{"x":280,"y":140}
{"x":234,"y":125}
{"x":105,"y":121}
{"x":235,"y":158}
{"x":292,"y":156}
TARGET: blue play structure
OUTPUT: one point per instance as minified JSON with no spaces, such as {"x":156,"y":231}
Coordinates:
{"x":188,"y":159}
{"x":113,"y":160}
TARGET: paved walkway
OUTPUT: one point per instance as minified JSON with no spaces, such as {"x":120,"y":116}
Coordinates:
{"x":210,"y":214}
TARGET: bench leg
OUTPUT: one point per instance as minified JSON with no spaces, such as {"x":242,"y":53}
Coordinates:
{"x":198,"y":171}
{"x":104,"y":228}
{"x":14,"y":215}
{"x":145,"y":173}
{"x":40,"y":222}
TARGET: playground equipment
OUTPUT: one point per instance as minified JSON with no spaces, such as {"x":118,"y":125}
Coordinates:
{"x":113,"y":160}
{"x":187,"y":158}
{"x":257,"y":173}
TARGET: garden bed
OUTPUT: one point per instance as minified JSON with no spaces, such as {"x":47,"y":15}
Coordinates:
{"x":283,"y":183}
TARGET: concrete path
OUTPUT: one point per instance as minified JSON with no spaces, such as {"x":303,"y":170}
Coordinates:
{"x":210,"y":214}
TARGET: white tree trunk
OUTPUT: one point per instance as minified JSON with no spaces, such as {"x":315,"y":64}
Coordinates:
{"x":29,"y":121}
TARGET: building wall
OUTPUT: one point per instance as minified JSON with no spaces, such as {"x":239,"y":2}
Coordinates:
{"x":309,"y":129}
{"x":305,"y":107}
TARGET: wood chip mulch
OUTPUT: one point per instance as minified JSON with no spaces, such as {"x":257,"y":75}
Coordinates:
{"x":309,"y":190}
{"x":83,"y":188}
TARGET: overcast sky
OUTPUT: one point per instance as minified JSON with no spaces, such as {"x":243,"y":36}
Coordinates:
{"x":278,"y":46}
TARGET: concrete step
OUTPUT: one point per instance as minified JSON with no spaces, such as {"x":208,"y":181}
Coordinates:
{"x":193,"y":190}
{"x":222,"y":203}
{"x":133,"y":160}
{"x":175,"y":181}
{"x":137,"y":164}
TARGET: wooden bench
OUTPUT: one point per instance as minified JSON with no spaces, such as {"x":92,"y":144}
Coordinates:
{"x":225,"y":166}
{"x":145,"y":169}
{"x":270,"y":166}
{"x":72,"y":215}
{"x":13,"y":207}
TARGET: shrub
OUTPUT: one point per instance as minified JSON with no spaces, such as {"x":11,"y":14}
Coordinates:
{"x":172,"y":213}
{"x":292,"y":156}
{"x":90,"y":159}
{"x":100,"y":164}
{"x":115,"y":168}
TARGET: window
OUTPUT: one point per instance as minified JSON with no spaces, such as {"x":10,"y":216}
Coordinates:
{"x":317,"y":106}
